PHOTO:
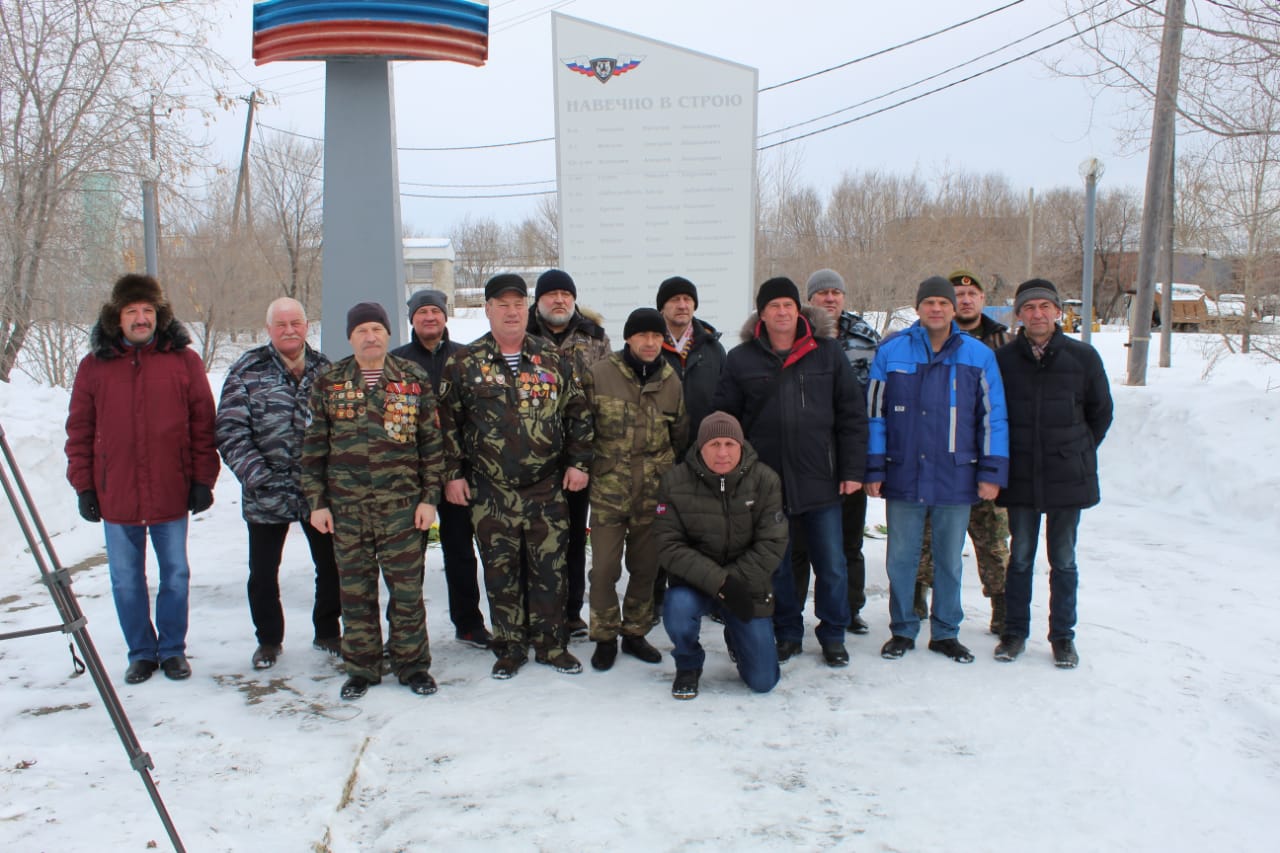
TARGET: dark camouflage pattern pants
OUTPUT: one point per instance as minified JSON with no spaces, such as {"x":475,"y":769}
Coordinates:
{"x":368,"y":538}
{"x":526,"y":601}
{"x":609,"y":533}
{"x":989,"y":530}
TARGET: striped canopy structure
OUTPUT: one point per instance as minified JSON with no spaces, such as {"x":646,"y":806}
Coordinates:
{"x":454,"y":30}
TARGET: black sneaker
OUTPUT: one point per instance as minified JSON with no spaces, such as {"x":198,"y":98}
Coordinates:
{"x":265,"y":656}
{"x":560,"y":660}
{"x":686,"y":684}
{"x":641,"y":649}
{"x":421,"y":683}
{"x":787,"y":649}
{"x":509,"y":662}
{"x":356,"y":686}
{"x":1010,"y":647}
{"x":835,"y":654}
{"x":176,"y":668}
{"x":139,"y":671}
{"x":328,"y":645}
{"x":1064,"y":654}
{"x":952,"y":648}
{"x":575,"y":627}
{"x":896,"y":647}
{"x":605,"y":654}
{"x":857,"y":625}
{"x":476,"y":638}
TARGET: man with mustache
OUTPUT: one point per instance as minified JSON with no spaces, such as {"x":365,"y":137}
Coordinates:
{"x":261,"y":419}
{"x":141,"y":456}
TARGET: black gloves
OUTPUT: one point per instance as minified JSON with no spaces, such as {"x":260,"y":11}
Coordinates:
{"x":736,"y":595}
{"x":89,"y":509}
{"x":199,"y":498}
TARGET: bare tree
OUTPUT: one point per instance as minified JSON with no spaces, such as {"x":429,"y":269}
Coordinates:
{"x":289,"y":188}
{"x":482,"y":249}
{"x":79,"y":79}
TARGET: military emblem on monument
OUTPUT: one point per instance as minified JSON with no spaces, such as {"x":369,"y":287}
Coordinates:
{"x":602,"y":68}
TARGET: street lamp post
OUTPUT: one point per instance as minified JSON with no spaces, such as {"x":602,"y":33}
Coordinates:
{"x":1090,"y":170}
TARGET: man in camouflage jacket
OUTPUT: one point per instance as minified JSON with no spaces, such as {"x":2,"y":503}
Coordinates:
{"x":517,"y":437}
{"x":371,"y":470}
{"x":261,"y":418}
{"x":637,"y":407}
{"x":579,"y":336}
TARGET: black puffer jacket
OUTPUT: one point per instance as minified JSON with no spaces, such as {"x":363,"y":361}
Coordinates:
{"x":699,"y":370}
{"x":805,"y":415}
{"x":709,"y":526}
{"x":1059,"y":411}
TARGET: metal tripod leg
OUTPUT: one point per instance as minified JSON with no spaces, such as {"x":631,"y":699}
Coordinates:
{"x":58,"y":580}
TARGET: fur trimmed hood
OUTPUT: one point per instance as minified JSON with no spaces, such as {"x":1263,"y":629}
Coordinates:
{"x":822,"y":324}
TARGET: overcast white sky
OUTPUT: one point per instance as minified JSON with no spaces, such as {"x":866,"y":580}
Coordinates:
{"x":1022,"y":120}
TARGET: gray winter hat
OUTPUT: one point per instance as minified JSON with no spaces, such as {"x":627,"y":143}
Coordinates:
{"x":935,"y":285}
{"x":1036,"y":288}
{"x":719,"y":425}
{"x":426,"y":297}
{"x":824,"y":280}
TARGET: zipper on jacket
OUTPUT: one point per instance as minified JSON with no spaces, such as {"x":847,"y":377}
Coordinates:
{"x":800,"y":376}
{"x":724,"y":503}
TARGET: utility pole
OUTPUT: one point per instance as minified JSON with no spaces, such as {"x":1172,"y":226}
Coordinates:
{"x":1166,"y":269}
{"x":242,"y":182}
{"x":1159,"y":161}
{"x":1091,"y":169}
{"x":1031,"y":233}
{"x":150,"y":208}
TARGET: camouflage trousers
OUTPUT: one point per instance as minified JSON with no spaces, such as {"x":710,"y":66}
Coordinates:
{"x":610,"y":531}
{"x":989,"y":530}
{"x":368,"y":540}
{"x":526,"y":598}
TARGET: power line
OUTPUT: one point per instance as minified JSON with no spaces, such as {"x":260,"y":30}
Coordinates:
{"x":954,"y":83}
{"x":891,"y":48}
{"x":935,"y":76}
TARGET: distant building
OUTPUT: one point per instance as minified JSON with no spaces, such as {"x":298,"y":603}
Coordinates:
{"x":429,"y":263}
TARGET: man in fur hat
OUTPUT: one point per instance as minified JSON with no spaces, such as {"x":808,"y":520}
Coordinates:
{"x":801,"y":407}
{"x":141,"y":456}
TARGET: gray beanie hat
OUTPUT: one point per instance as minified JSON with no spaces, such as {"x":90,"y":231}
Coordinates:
{"x":426,"y":297}
{"x":824,"y":280}
{"x":1036,"y":288}
{"x":720,"y":425}
{"x":936,"y":285}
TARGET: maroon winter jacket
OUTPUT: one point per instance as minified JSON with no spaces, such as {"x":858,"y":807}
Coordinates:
{"x":140,"y":429}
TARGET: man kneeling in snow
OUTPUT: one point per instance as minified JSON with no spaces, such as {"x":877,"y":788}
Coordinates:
{"x":721,"y":533}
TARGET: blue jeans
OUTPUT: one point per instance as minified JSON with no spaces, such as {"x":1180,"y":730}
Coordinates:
{"x":126,"y":562}
{"x":1060,"y":536}
{"x":906,"y":537}
{"x":752,"y":642}
{"x":825,"y":541}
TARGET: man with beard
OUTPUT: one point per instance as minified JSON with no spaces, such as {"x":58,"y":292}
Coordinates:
{"x":578,"y":335}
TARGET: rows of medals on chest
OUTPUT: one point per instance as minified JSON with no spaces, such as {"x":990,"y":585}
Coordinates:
{"x":400,"y":410}
{"x":532,"y":387}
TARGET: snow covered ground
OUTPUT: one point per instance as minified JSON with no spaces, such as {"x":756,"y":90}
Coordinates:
{"x":1166,"y":738}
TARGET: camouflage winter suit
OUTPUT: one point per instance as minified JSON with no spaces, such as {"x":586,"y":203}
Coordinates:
{"x":370,"y":456}
{"x":988,"y":523}
{"x":639,"y":430}
{"x":511,"y":435}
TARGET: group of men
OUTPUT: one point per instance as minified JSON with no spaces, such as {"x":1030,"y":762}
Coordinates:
{"x":719,"y":477}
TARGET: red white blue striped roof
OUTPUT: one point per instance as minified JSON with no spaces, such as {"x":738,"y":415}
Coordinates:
{"x":455,"y":30}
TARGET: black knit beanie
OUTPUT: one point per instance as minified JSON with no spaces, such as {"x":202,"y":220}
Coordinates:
{"x":367,"y":312}
{"x":553,"y":280}
{"x":777,"y":288}
{"x":675,"y":286}
{"x":936,"y":285}
{"x":644,"y":320}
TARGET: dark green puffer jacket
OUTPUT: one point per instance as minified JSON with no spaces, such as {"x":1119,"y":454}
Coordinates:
{"x":708,"y":526}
